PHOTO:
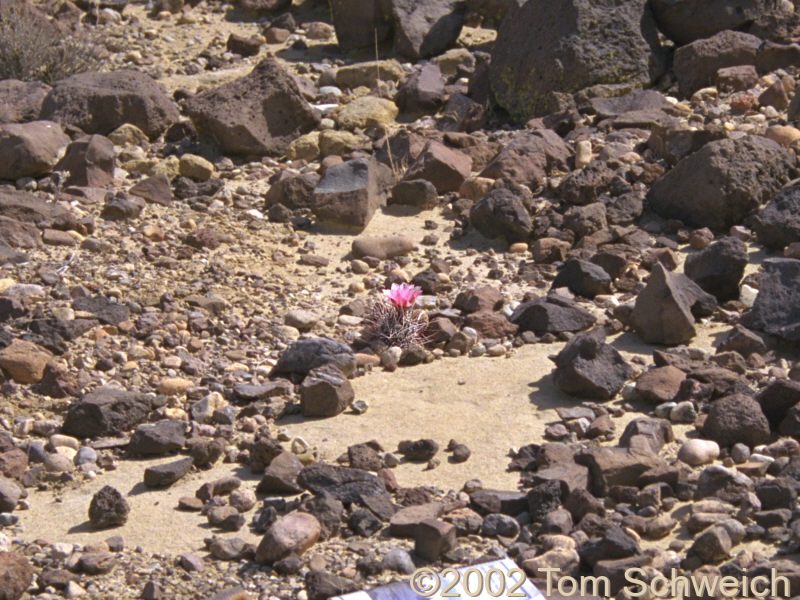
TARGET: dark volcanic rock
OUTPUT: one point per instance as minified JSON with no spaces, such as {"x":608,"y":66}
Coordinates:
{"x":501,"y":213}
{"x":258,"y":114}
{"x":106,"y":411}
{"x":777,"y":398}
{"x":108,"y":509}
{"x":280,"y":476}
{"x":736,"y":418}
{"x":158,"y":438}
{"x":418,"y":450}
{"x":307,"y":354}
{"x":423,"y":29}
{"x":16,"y":575}
{"x":718,"y":268}
{"x":165,"y":475}
{"x":777,"y":307}
{"x":345,"y":484}
{"x":325,"y":392}
{"x":569,"y":46}
{"x":684,"y":21}
{"x":778,"y":224}
{"x":583,"y":278}
{"x":21,"y":101}
{"x":359,"y":22}
{"x":665,"y":311}
{"x":696,"y":64}
{"x":90,"y":161}
{"x":31,"y":148}
{"x":552,"y":314}
{"x":260,"y":8}
{"x":106,"y":311}
{"x":723,"y":182}
{"x":348,"y":193}
{"x":415,"y":192}
{"x":590,"y":368}
{"x":444,"y":167}
{"x":529,"y":158}
{"x":616,"y":466}
{"x":422,"y":92}
{"x":101,"y":102}
{"x":292,"y":190}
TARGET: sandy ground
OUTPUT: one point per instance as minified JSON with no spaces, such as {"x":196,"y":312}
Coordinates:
{"x":491,"y":404}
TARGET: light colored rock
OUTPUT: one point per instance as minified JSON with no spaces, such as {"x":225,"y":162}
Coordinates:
{"x":24,"y":361}
{"x":292,"y":533}
{"x":697,"y":452}
{"x":195,"y":167}
{"x":367,"y":111}
{"x":173,"y":386}
{"x":305,"y":147}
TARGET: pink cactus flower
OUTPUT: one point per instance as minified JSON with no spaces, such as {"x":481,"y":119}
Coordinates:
{"x":403,"y":295}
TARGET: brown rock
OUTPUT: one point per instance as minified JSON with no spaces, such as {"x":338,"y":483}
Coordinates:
{"x":16,"y":575}
{"x":444,"y":167}
{"x":24,"y":361}
{"x":258,"y":114}
{"x":491,"y":324}
{"x":90,"y":162}
{"x":484,"y":298}
{"x":325,"y":392}
{"x":406,"y":521}
{"x":292,"y":533}
{"x":660,"y":384}
{"x":100,"y":102}
{"x":154,"y":189}
{"x":30,"y":149}
{"x":433,"y":538}
{"x":21,"y":101}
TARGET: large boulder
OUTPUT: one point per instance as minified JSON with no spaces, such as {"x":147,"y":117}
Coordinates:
{"x":777,"y":307}
{"x":348,"y":194}
{"x":16,"y":575}
{"x":30,"y":149}
{"x":424,"y":29}
{"x":665,"y":310}
{"x":695,"y":65}
{"x":778,"y":224}
{"x":587,"y":367}
{"x":101,"y":102}
{"x":718,"y":268}
{"x":21,"y":101}
{"x":684,"y":21}
{"x":257,"y":115}
{"x":736,"y":418}
{"x":529,"y":157}
{"x":359,"y":22}
{"x":568,"y":46}
{"x":723,"y":182}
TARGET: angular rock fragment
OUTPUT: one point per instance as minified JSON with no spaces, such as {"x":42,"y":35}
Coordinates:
{"x":257,"y":115}
{"x":590,"y":368}
{"x":348,"y":194}
{"x":570,"y":46}
{"x":723,"y":182}
{"x":665,"y":310}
